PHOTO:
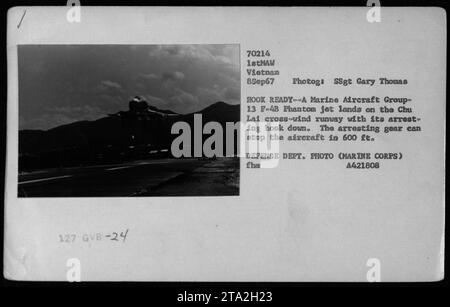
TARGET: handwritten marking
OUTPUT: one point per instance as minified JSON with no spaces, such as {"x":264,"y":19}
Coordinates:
{"x":20,"y":22}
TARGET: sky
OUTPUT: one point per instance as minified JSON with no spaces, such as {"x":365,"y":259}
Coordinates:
{"x":60,"y":84}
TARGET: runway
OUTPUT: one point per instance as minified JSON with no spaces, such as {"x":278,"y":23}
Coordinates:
{"x":105,"y":180}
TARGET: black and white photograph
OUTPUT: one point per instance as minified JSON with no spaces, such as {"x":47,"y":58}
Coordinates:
{"x":257,"y":148}
{"x":101,"y":120}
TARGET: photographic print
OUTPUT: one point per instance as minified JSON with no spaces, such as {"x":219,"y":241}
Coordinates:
{"x":225,"y":144}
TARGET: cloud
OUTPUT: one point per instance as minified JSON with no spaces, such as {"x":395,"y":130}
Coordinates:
{"x":173,"y":76}
{"x":181,"y":78}
{"x":149,"y":76}
{"x":232,"y":94}
{"x":153,"y":100}
{"x":106,"y":85}
{"x":183,"y":99}
{"x":110,"y":93}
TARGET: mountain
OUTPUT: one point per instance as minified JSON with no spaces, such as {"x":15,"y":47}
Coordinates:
{"x":221,"y":112}
{"x":124,"y":135}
